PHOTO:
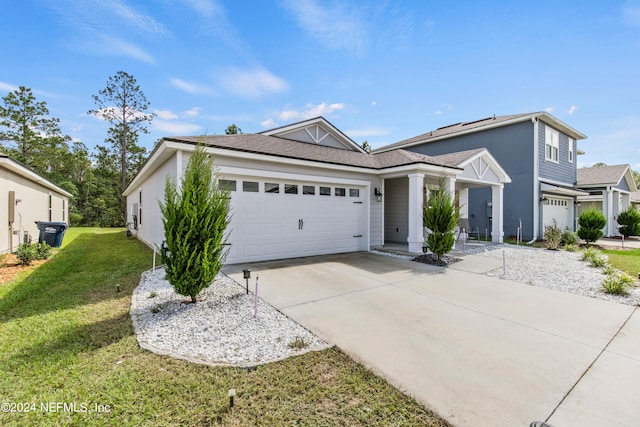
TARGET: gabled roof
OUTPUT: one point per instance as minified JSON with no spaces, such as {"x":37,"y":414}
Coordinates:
{"x":463,"y":128}
{"x":287,"y":131}
{"x":601,"y":176}
{"x":280,"y":147}
{"x":18,"y":168}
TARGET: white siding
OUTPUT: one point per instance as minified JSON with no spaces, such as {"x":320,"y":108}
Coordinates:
{"x":33,"y":206}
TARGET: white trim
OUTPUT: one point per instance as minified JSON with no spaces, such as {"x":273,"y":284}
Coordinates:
{"x":560,"y":183}
{"x":553,"y":143}
{"x":492,"y":163}
{"x":15,"y":167}
{"x":537,"y":206}
{"x":571,"y":153}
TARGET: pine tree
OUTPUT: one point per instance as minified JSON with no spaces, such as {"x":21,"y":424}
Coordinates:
{"x":195,"y":215}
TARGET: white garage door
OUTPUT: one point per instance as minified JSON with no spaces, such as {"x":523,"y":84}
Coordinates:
{"x":275,"y":219}
{"x":560,"y":209}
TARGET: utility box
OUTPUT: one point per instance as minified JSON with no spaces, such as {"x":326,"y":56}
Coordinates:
{"x":51,"y":233}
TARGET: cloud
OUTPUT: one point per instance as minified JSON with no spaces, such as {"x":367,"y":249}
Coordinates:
{"x":267,"y":123}
{"x":166,"y":114}
{"x":374,"y":103}
{"x":8,"y":87}
{"x":207,"y":8}
{"x":336,"y":26}
{"x":191,"y":112}
{"x":437,"y":113}
{"x":107,"y":27}
{"x":549,"y":109}
{"x":176,"y":128}
{"x":310,"y":111}
{"x":192,"y":88}
{"x":572,"y":110}
{"x":114,"y":114}
{"x":368,"y":132}
{"x":631,"y":15}
{"x":253,"y":83}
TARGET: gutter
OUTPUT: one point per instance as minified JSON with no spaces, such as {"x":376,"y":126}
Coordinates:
{"x":536,"y":184}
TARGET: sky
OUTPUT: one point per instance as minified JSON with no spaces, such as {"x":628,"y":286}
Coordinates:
{"x":380,"y":71}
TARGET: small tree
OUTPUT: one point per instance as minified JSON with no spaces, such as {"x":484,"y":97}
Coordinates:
{"x":195,"y":215}
{"x":629,"y":221}
{"x":552,"y":236}
{"x":441,"y":216}
{"x":232,"y":129}
{"x":591,"y":223}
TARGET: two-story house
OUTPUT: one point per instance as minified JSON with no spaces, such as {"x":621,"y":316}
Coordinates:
{"x":537,"y":150}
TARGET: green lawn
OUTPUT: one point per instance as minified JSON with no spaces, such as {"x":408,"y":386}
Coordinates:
{"x":628,"y":261}
{"x":66,"y":338}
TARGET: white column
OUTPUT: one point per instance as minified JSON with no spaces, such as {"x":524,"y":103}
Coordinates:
{"x":497,"y":233}
{"x":463,"y":198}
{"x":416,"y":234}
{"x":608,"y":212}
{"x":626,"y":201}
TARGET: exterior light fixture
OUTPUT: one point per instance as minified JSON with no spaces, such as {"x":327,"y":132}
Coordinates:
{"x":247,"y":275}
{"x":378,"y":194}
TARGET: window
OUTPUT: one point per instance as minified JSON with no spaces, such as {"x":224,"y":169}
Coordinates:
{"x":309,"y":189}
{"x":551,"y":144}
{"x":354,"y":192}
{"x":227,"y":185}
{"x":249,"y":186}
{"x":340,"y":192}
{"x":325,"y":191}
{"x":64,"y":211}
{"x":290,"y":189}
{"x":271,"y":188}
{"x":572,"y":144}
{"x":50,"y":210}
{"x":140,"y":207}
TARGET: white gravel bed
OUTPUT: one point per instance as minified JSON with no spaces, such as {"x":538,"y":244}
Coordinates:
{"x":220,"y":329}
{"x":560,"y":270}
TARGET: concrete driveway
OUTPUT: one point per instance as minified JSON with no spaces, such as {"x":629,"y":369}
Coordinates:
{"x":477,"y":350}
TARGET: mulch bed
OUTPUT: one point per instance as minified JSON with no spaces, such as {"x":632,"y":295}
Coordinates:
{"x":431,"y":259}
{"x":13,"y":268}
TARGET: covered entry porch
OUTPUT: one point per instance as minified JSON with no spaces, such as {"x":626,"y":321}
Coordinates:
{"x":406,"y":193}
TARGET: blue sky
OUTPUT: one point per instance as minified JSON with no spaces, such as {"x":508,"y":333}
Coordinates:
{"x":381,"y":71}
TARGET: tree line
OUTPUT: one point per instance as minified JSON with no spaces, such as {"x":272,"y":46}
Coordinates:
{"x":96,"y":179}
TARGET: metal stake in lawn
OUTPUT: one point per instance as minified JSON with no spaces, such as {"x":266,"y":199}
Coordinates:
{"x":504,"y":263}
{"x":255,"y":300}
{"x":232,"y":393}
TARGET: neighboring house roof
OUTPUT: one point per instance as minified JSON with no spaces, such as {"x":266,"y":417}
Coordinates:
{"x":18,"y":168}
{"x":463,"y":128}
{"x":601,"y":176}
{"x":635,"y":196}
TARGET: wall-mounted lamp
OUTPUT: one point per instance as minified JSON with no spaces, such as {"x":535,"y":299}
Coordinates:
{"x":18,"y":201}
{"x":544,"y":200}
{"x":378,"y":194}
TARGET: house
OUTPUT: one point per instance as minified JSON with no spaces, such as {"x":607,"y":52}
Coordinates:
{"x":537,"y":151}
{"x":611,"y":190}
{"x":28,"y":198}
{"x":308,"y":189}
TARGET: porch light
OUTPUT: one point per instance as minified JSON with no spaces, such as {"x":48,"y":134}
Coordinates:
{"x":378,"y":194}
{"x":247,"y":275}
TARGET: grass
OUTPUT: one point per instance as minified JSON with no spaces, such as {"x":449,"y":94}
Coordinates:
{"x":625,"y":260}
{"x":66,"y":338}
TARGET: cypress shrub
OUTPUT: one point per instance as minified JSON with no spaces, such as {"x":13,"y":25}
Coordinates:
{"x":629,"y":221}
{"x":195,"y":216}
{"x":441,"y":216}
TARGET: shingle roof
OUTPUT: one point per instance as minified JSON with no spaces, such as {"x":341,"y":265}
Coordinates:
{"x":605,"y":175}
{"x":457,"y":127}
{"x":280,"y":147}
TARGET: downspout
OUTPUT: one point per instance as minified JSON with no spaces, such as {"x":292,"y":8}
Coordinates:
{"x":536,"y":184}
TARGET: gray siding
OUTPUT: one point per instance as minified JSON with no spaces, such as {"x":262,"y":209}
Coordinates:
{"x":623,"y":185}
{"x":512,"y":147}
{"x":563,"y":171}
{"x":396,"y":205}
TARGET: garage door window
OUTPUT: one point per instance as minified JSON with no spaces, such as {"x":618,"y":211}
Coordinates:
{"x":271,"y":188}
{"x":325,"y":191}
{"x":249,"y":186}
{"x":290,"y":189}
{"x":309,"y":189}
{"x":354,"y":192}
{"x":227,"y":185}
{"x":340,"y":192}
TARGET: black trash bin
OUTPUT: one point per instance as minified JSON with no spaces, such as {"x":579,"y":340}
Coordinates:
{"x":51,"y":232}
